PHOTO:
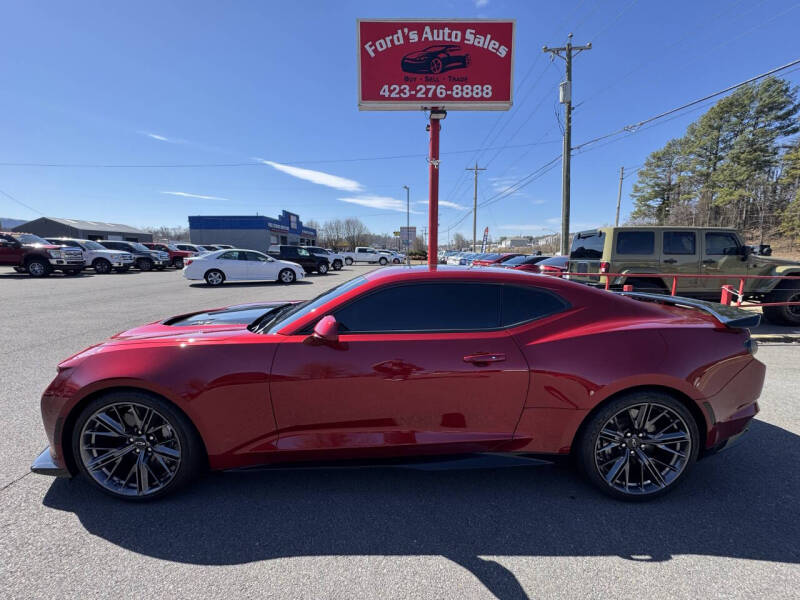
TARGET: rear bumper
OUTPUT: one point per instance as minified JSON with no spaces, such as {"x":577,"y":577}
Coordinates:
{"x":44,"y":464}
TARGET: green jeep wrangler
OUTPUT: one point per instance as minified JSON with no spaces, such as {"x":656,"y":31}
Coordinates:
{"x":691,"y":250}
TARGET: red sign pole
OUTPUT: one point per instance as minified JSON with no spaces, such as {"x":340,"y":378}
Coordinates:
{"x":433,"y":187}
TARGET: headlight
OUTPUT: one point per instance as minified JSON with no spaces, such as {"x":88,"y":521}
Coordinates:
{"x":54,"y":253}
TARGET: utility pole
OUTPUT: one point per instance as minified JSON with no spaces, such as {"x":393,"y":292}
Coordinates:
{"x":565,"y":97}
{"x":408,"y":224}
{"x":619,"y":194}
{"x":475,"y":204}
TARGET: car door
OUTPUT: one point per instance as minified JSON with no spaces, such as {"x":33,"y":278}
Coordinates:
{"x":233,"y":263}
{"x":10,"y":251}
{"x":680,"y":254}
{"x":260,"y":267}
{"x":419,"y":368}
{"x":721,"y":256}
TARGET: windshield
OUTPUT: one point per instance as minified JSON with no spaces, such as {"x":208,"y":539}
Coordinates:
{"x":93,"y":245}
{"x":29,"y":238}
{"x":139,"y":247}
{"x":292,"y":313}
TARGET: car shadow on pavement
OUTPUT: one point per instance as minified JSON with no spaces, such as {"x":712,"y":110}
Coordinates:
{"x":244,"y":284}
{"x":741,"y":503}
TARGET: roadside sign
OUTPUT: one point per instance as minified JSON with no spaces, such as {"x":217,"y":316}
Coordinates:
{"x":485,"y":239}
{"x":408,"y":235}
{"x":417,"y":64}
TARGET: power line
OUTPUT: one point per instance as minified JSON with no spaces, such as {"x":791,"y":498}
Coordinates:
{"x":21,"y":203}
{"x":636,"y":126}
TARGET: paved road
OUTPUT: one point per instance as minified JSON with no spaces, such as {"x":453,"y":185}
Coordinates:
{"x":731,"y":531}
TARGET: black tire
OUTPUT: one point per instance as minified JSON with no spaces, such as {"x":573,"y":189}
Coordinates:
{"x":382,"y":260}
{"x":178,"y":429}
{"x":337,"y":265}
{"x":38,"y":267}
{"x":348,"y":261}
{"x":586,"y":445}
{"x":101,"y":266}
{"x":787,"y":290}
{"x":122,"y":269}
{"x":650,"y":286}
{"x":287,"y":276}
{"x":177,"y":263}
{"x":396,"y":261}
{"x":144,"y":264}
{"x":322,"y":269}
{"x":214,"y":277}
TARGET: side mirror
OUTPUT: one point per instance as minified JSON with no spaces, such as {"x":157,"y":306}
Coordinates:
{"x":746,"y":251}
{"x":327,"y":329}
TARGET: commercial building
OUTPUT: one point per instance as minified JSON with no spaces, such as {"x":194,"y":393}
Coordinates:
{"x":86,"y":230}
{"x":251,"y":231}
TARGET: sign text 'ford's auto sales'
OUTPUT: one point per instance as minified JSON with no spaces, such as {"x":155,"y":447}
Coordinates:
{"x":455,"y":65}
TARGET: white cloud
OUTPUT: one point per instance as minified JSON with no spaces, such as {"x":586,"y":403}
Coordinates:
{"x":446,"y":204}
{"x":481,"y":3}
{"x":155,"y":136}
{"x":379,"y":202}
{"x":505,"y":185}
{"x":188,"y":195}
{"x":318,"y":177}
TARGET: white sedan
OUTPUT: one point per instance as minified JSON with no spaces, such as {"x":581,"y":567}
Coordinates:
{"x":240,"y":265}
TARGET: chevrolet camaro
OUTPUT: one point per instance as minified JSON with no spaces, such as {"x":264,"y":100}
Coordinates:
{"x":408,"y":364}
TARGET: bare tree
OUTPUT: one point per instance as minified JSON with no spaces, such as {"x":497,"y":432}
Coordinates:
{"x":354,"y":231}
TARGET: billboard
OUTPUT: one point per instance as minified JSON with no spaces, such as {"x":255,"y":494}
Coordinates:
{"x":410,"y":64}
{"x":408,"y":235}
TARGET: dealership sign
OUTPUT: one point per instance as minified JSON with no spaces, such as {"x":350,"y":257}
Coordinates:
{"x":407,"y":64}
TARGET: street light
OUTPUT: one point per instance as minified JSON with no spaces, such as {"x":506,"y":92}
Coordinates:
{"x":408,"y":223}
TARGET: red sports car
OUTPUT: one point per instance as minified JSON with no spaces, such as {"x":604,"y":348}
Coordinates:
{"x":494,"y":259}
{"x":634,"y":386}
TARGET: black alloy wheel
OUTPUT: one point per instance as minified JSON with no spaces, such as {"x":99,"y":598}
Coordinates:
{"x":639,"y":445}
{"x":144,"y":264}
{"x":135,"y":446}
{"x":337,"y":265}
{"x":101,"y":266}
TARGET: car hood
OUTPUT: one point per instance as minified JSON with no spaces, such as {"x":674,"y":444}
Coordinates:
{"x":44,"y":246}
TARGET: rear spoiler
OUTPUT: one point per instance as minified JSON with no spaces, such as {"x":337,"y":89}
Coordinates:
{"x":730,"y":316}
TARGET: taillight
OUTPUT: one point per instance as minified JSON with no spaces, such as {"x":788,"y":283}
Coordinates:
{"x":187,"y":262}
{"x":605,"y":267}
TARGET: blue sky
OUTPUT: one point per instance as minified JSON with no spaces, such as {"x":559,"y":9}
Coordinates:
{"x":273,"y":85}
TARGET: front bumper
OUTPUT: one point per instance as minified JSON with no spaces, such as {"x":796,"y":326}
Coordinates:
{"x":45,"y":465}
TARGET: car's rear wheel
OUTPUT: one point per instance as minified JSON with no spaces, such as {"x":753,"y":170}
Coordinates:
{"x":286,"y":276}
{"x":322,"y":269}
{"x":337,"y":265}
{"x":639,"y":445}
{"x":101,"y":266}
{"x":382,"y":260}
{"x":396,"y":261}
{"x":135,"y":446}
{"x":177,"y":263}
{"x":214,"y":277}
{"x":787,"y":291}
{"x":38,"y":267}
{"x":348,"y":261}
{"x":144,"y":264}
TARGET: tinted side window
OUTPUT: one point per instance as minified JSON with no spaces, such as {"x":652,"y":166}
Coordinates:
{"x":635,"y":242}
{"x":679,"y":242}
{"x":424,"y":307}
{"x":522,"y":304}
{"x":721,"y":243}
{"x":232,"y":255}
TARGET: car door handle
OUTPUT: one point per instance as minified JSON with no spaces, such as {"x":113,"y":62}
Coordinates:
{"x":670,"y":261}
{"x":485,"y":357}
{"x":708,"y":261}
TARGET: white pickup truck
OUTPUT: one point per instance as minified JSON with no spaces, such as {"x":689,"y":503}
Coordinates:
{"x":98,"y":257}
{"x":365,"y":254}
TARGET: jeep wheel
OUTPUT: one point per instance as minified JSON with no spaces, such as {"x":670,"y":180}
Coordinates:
{"x":383,"y":260}
{"x":214,"y":277}
{"x":101,"y":266}
{"x":337,"y":265}
{"x":787,"y":291}
{"x":144,"y":264}
{"x":37,"y":267}
{"x":348,"y":261}
{"x":322,"y":269}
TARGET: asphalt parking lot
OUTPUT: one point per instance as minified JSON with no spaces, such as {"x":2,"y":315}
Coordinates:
{"x":731,"y":530}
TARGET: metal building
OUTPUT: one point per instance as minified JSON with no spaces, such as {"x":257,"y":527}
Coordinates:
{"x":86,"y":230}
{"x":255,"y":232}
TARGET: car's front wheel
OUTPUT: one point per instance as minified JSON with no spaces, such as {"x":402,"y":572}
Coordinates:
{"x":177,"y":263}
{"x":348,"y":261}
{"x":286,"y":276}
{"x":214,"y":277}
{"x":337,"y":265}
{"x":639,"y":445}
{"x":38,"y":267}
{"x":144,"y":264}
{"x":101,"y":266}
{"x":135,"y":446}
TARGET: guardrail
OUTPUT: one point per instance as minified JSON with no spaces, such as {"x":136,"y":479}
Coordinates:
{"x":727,"y":292}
